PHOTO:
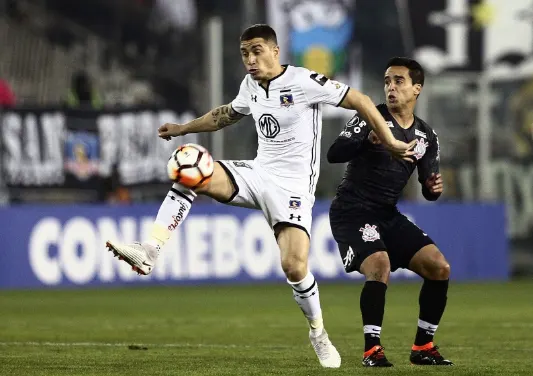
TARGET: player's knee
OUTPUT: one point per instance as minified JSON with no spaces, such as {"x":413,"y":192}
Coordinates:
{"x":376,"y":267}
{"x":220,"y":186}
{"x":436,"y":268}
{"x":441,"y":270}
{"x":294,"y":267}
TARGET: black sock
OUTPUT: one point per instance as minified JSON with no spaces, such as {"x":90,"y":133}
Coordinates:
{"x":372,"y":309}
{"x":432,"y":300}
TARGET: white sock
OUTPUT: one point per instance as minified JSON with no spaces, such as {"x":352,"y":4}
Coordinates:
{"x":373,"y":330}
{"x":428,"y":327}
{"x":306,"y":295}
{"x":171,"y":214}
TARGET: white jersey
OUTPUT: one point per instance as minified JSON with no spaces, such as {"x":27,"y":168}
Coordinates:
{"x":288,"y":120}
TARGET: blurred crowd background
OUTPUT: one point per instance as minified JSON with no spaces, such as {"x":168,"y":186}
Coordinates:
{"x":84,"y":85}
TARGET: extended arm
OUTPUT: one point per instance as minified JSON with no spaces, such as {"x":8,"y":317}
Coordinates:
{"x":212,"y":121}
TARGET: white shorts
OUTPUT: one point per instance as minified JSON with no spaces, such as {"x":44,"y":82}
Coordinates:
{"x":255,"y":189}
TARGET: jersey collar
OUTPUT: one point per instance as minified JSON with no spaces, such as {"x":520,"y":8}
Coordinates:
{"x":286,"y":67}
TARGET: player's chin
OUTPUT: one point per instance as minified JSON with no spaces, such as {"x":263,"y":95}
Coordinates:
{"x":256,"y":76}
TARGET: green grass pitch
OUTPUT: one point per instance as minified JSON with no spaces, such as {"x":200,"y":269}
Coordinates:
{"x":253,"y":330}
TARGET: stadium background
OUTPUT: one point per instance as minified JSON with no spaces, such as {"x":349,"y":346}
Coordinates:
{"x":84,"y":85}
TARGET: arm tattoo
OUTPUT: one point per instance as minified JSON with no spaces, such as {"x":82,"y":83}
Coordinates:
{"x":225,"y":115}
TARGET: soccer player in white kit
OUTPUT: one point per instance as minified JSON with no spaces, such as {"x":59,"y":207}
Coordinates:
{"x":285,"y":102}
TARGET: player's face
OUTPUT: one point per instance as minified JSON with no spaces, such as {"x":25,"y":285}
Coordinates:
{"x":399,"y":88}
{"x":260,"y":58}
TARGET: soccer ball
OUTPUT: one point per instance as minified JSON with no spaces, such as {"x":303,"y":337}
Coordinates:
{"x":190,"y":165}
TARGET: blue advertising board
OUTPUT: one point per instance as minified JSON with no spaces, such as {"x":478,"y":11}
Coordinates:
{"x":62,"y":246}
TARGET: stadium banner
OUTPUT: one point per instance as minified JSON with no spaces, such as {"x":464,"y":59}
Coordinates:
{"x":42,"y":148}
{"x":319,"y":35}
{"x":63,"y":246}
{"x":466,"y":35}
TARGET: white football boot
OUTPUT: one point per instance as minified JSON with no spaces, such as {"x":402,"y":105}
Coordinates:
{"x":327,"y":354}
{"x":141,"y":257}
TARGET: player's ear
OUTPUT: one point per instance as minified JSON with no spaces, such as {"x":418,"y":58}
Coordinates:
{"x":275,"y":49}
{"x":417,"y":89}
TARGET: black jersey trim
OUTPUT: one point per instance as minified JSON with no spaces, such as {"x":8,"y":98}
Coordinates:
{"x":343,"y":96}
{"x":233,"y":181}
{"x":313,"y":149}
{"x":285,"y":67}
{"x":283,"y":224}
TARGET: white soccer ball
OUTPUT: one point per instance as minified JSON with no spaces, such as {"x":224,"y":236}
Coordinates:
{"x":190,"y":165}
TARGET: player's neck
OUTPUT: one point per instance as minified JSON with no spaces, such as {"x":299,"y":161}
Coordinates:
{"x":272,"y":74}
{"x":404,"y":116}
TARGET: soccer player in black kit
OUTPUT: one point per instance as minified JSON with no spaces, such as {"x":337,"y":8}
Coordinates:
{"x":374,"y":238}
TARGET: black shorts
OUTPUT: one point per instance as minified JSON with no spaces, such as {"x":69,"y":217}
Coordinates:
{"x":360,"y":232}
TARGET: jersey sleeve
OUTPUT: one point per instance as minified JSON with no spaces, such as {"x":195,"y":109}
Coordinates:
{"x":349,"y":141}
{"x":429,"y":164}
{"x":320,"y":89}
{"x":240,"y":103}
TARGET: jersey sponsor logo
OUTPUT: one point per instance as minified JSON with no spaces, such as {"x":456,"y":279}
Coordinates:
{"x":420,"y":148}
{"x":286,"y":100}
{"x":253,"y":98}
{"x":182,"y":211}
{"x":269,"y":126}
{"x":420,"y":133}
{"x":370,"y":233}
{"x":390,"y":124}
{"x":347,"y":260}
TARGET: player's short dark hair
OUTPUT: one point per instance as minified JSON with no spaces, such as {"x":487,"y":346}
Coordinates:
{"x":260,"y":31}
{"x":416,"y":72}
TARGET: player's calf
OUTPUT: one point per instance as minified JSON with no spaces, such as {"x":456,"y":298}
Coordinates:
{"x":433,"y":267}
{"x":294,"y":246}
{"x":376,"y":268}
